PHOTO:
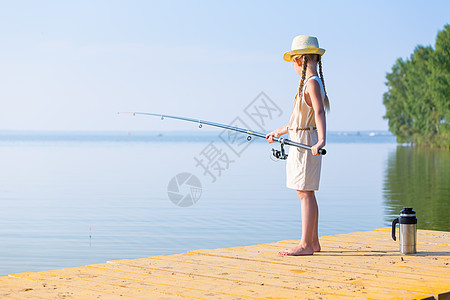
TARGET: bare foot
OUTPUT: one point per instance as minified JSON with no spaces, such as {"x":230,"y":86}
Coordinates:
{"x":316,"y":246}
{"x":298,"y":250}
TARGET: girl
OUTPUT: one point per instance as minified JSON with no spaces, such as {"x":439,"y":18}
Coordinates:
{"x":307,"y":125}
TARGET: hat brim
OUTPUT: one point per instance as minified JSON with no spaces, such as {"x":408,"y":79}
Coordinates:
{"x":288,"y":55}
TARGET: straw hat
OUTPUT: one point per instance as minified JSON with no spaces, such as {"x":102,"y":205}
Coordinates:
{"x":303,"y":44}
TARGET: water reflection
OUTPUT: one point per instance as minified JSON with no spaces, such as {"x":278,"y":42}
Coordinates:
{"x":420,"y":178}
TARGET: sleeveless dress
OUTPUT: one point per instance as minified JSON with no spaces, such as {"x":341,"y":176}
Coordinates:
{"x":302,"y":167}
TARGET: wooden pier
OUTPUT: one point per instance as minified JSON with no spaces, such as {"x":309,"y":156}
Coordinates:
{"x":359,"y":265}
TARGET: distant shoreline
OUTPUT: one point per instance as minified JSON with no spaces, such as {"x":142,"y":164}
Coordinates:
{"x":203,"y":132}
{"x":198,"y":136}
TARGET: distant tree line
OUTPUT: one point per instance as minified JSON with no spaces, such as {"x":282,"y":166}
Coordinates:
{"x":418,"y":97}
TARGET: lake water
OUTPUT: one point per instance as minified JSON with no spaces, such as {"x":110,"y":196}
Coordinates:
{"x":72,"y":199}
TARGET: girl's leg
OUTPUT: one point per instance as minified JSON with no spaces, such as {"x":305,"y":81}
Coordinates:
{"x":309,"y":225}
{"x":316,"y":244}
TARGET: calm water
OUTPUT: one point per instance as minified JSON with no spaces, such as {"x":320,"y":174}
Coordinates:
{"x":75,"y":199}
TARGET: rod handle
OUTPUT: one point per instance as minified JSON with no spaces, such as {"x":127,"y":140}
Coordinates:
{"x":322,"y":151}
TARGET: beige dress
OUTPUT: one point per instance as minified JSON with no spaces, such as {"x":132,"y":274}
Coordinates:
{"x":302,"y":167}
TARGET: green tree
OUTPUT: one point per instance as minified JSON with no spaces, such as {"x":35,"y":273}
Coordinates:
{"x":417,"y":101}
{"x":440,"y":82}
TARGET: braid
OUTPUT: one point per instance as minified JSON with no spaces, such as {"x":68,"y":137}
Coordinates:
{"x":302,"y":80}
{"x":326,"y":100}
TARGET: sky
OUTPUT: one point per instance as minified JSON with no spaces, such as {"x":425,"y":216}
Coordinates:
{"x":72,"y":65}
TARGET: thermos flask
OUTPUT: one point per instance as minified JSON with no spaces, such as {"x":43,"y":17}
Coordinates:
{"x":408,"y":230}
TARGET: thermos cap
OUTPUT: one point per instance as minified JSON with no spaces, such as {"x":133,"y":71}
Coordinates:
{"x":407,"y":211}
{"x":407,"y":216}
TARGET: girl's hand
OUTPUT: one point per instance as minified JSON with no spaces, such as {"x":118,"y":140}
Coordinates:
{"x":270,"y":136}
{"x":277,"y":133}
{"x":315,"y":148}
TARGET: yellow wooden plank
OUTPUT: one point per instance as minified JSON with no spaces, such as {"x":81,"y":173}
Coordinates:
{"x":260,"y":252}
{"x":111,"y":290}
{"x":9,"y":297}
{"x":17,"y":288}
{"x":424,"y":250}
{"x":272,"y":267}
{"x":437,"y":258}
{"x":222,"y":280}
{"x":302,"y":281}
{"x":374,"y":237}
{"x":227,"y":280}
{"x":179,"y":276}
{"x":312,"y":262}
{"x":16,"y":295}
{"x":366,"y":265}
{"x":385,"y":238}
{"x":380,"y":278}
{"x":138,"y":287}
{"x":29,"y":289}
{"x":376,"y":244}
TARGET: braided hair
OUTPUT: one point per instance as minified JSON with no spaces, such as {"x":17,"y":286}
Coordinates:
{"x":326,"y":101}
{"x":305,"y":59}
{"x":302,"y":80}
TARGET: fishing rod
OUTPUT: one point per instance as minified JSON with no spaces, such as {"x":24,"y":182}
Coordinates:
{"x":280,"y":154}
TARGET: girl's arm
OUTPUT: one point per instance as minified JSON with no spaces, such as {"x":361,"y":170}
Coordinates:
{"x":277,"y":133}
{"x":315,"y":98}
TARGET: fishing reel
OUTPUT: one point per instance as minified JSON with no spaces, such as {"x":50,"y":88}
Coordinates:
{"x":279,"y":154}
